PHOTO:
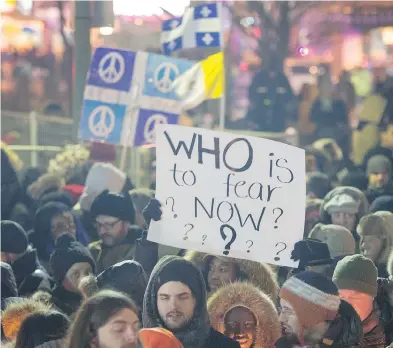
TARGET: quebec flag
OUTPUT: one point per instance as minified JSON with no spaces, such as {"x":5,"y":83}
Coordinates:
{"x":200,"y":26}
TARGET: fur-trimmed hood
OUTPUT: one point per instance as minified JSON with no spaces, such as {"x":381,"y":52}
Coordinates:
{"x":259,"y":274}
{"x":355,"y":193}
{"x":379,"y":224}
{"x":246,"y":295}
{"x":45,"y":183}
{"x":16,"y":311}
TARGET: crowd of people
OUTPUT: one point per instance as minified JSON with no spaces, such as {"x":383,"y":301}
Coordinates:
{"x":77,"y":270}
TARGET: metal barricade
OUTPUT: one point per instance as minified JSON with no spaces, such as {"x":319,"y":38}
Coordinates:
{"x":36,"y":138}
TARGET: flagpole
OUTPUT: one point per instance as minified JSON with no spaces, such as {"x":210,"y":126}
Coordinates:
{"x":222,"y":99}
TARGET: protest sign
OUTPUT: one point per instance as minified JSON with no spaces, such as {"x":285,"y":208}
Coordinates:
{"x":228,"y":194}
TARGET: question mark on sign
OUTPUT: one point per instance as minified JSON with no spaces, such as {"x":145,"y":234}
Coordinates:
{"x":251,"y":243}
{"x":191,"y":226}
{"x":204,"y":238}
{"x":225,"y":237}
{"x":277,"y":258}
{"x":173,"y":205}
{"x":281,"y":213}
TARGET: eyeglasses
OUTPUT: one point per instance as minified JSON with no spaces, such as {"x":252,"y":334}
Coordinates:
{"x":106,"y":225}
{"x":63,"y":226}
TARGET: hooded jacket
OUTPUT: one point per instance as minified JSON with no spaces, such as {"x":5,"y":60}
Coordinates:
{"x":379,"y":224}
{"x":8,"y":284}
{"x":30,"y":275}
{"x":15,"y":312}
{"x":246,"y":295}
{"x":198,"y":333}
{"x":41,"y":236}
{"x":259,"y":274}
{"x":126,"y":276}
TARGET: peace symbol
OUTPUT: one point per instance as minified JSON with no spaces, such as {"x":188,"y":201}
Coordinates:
{"x":111,"y":67}
{"x":102,"y":121}
{"x":164,"y":76}
{"x":149,"y":131}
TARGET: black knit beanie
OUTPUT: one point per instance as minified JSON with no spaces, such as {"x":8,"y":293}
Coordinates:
{"x":114,"y":204}
{"x":68,"y":252}
{"x":13,"y":237}
{"x":181,"y":271}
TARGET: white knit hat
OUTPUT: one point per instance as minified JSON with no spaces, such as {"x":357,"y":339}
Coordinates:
{"x":342,"y":203}
{"x":101,"y":177}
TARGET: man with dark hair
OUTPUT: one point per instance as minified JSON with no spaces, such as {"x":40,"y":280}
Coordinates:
{"x":175,"y":299}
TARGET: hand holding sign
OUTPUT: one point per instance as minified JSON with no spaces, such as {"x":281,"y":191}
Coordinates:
{"x":229,"y":195}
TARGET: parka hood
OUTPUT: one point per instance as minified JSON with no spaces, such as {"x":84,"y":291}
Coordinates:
{"x":259,"y":274}
{"x":246,"y":295}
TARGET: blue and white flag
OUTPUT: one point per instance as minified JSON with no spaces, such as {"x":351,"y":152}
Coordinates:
{"x":127,"y":94}
{"x":200,"y":26}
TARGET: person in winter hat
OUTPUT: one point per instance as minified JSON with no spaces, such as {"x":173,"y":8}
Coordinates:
{"x":312,"y":314}
{"x":312,"y":255}
{"x":29,"y":274}
{"x":114,"y":216}
{"x":344,"y":206}
{"x":356,"y":279}
{"x":175,"y":299}
{"x":16,"y":312}
{"x":382,"y":203}
{"x":379,"y":172}
{"x":101,"y":177}
{"x":158,"y":338}
{"x":70,"y":262}
{"x":219,"y":271}
{"x":108,"y":319}
{"x":52,"y":220}
{"x":376,"y":239}
{"x":246,"y":314}
{"x":127,"y":277}
{"x":8,"y":284}
{"x":43,"y":330}
{"x":340,"y":240}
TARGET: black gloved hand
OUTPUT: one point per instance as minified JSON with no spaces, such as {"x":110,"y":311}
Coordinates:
{"x":152,"y":211}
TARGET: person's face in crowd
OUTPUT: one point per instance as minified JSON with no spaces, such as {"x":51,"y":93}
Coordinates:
{"x":220,"y":272}
{"x":378,"y":179}
{"x":289,"y":319}
{"x":75,"y":274}
{"x":121,"y":331}
{"x":240,"y":325}
{"x":111,"y":230}
{"x":344,"y":219}
{"x":291,"y":325}
{"x":371,"y":247}
{"x":175,"y":304}
{"x":63,"y":223}
{"x":9,"y":257}
{"x":361,"y":303}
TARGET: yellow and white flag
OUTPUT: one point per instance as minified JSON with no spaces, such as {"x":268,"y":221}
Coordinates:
{"x":205,"y":80}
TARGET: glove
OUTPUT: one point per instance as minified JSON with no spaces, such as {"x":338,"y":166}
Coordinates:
{"x":152,"y":211}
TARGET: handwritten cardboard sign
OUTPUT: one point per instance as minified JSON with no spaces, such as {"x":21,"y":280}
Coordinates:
{"x":227,"y":194}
